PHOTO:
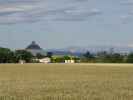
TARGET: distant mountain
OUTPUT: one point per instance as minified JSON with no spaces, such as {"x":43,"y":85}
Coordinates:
{"x":65,"y":52}
{"x":77,"y":51}
{"x":94,"y":49}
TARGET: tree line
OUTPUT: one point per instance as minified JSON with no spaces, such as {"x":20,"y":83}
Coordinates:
{"x":107,"y":57}
{"x":9,"y":56}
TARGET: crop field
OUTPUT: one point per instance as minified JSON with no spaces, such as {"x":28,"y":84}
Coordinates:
{"x":66,"y":82}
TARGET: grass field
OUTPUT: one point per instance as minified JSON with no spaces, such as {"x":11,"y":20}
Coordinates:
{"x":66,"y":82}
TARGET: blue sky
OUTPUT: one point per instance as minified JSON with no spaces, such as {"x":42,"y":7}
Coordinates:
{"x":63,"y":23}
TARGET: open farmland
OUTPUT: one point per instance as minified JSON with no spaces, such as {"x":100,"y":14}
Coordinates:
{"x":66,"y":82}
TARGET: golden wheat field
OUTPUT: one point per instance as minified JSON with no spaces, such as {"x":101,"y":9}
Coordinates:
{"x":66,"y":82}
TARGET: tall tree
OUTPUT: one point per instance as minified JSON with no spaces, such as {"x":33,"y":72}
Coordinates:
{"x":49,"y":54}
{"x":129,"y":58}
{"x":6,"y":55}
{"x":23,"y":55}
{"x":88,"y":57}
{"x":39,"y":56}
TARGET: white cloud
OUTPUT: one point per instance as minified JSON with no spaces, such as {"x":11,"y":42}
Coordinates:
{"x":15,"y":11}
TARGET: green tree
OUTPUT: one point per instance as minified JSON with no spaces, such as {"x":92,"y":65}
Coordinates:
{"x":116,"y":58}
{"x":58,"y":59}
{"x":88,"y":57}
{"x":49,"y":54}
{"x":40,"y":56}
{"x":129,"y":58}
{"x":6,"y":55}
{"x":112,"y":57}
{"x":66,"y":57}
{"x":102,"y":57}
{"x":23,"y":55}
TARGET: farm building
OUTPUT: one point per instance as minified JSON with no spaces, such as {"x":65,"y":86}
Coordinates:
{"x":42,"y":60}
{"x":22,"y":61}
{"x":69,"y":61}
{"x":45,"y":60}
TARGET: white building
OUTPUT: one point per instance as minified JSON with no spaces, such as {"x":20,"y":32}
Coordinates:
{"x":69,"y":61}
{"x":45,"y":60}
{"x":22,"y":61}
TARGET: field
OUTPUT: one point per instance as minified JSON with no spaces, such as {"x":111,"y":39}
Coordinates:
{"x":66,"y":82}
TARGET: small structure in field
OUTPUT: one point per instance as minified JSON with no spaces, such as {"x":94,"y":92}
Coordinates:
{"x":45,"y":60}
{"x":22,"y":61}
{"x":69,"y":61}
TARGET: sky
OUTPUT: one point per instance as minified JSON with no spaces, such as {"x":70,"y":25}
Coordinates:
{"x":64,"y":23}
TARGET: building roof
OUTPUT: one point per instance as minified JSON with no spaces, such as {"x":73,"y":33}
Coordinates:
{"x":34,"y":46}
